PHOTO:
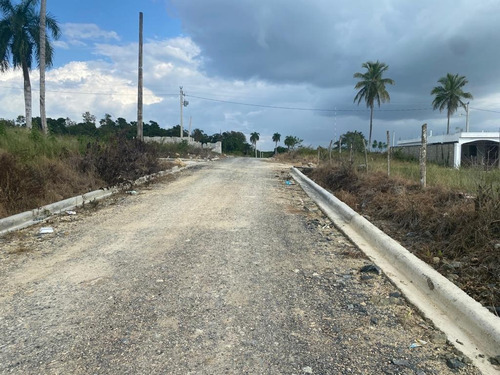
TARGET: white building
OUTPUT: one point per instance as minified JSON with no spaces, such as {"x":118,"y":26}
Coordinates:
{"x":456,"y":150}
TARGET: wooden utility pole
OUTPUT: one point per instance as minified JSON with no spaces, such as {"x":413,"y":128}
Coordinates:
{"x":388,"y":153}
{"x":423,"y":158}
{"x":140,"y":134}
{"x":43,"y":17}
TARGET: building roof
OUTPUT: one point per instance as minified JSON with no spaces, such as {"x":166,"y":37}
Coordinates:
{"x":461,"y":138}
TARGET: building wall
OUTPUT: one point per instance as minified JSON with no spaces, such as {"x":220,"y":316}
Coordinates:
{"x":441,"y":153}
{"x":215,"y":147}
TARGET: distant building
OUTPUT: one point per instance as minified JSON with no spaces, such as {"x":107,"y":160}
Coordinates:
{"x":456,"y":150}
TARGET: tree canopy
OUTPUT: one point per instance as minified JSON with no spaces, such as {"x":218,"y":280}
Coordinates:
{"x":449,"y":95}
{"x":20,"y":42}
{"x":371,"y":87}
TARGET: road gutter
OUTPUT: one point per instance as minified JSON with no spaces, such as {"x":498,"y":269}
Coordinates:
{"x":469,"y":326}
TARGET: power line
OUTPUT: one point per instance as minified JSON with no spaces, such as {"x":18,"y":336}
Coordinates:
{"x":244,"y":103}
{"x":305,"y":109}
{"x":485,"y":110}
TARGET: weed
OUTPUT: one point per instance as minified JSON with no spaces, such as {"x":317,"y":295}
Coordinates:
{"x":438,"y":221}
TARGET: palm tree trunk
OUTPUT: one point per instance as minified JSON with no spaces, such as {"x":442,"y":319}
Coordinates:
{"x":371,"y":126}
{"x":448,"y":125}
{"x":43,"y":116}
{"x":27,"y":95}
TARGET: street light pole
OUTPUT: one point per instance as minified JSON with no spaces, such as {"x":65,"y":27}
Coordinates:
{"x":467,"y":118}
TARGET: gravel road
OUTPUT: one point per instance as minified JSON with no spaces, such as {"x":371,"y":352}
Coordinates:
{"x":223,"y":269}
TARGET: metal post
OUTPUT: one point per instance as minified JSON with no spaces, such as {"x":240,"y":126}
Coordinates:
{"x":467,"y":117}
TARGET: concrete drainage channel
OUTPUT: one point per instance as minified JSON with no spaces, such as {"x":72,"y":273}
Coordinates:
{"x":28,"y":218}
{"x":469,"y":326}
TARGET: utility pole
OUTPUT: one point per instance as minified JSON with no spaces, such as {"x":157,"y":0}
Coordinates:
{"x":182,"y":105}
{"x":140,"y":134}
{"x":467,"y":117}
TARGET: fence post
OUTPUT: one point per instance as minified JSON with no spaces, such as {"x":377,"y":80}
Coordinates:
{"x":423,"y":157}
{"x":388,"y":154}
{"x":366,"y":156}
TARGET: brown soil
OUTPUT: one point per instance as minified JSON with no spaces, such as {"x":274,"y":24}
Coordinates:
{"x":457,"y":233}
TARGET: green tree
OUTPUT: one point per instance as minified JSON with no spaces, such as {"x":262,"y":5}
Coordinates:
{"x":233,"y":142}
{"x":20,"y":41}
{"x":449,"y":95}
{"x":371,"y":87}
{"x":291,"y":142}
{"x":355,"y":139}
{"x":276,"y":139}
{"x":254,"y":137}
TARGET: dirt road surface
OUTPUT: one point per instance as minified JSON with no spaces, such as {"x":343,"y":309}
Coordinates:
{"x":224,"y":269}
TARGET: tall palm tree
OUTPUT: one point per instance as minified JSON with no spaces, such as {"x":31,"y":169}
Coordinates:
{"x":254,"y":137}
{"x":276,"y":139}
{"x":20,"y":40}
{"x":450,"y":94}
{"x":43,"y":18}
{"x":372,"y":87}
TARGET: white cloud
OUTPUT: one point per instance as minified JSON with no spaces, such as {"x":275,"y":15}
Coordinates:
{"x":87,"y":31}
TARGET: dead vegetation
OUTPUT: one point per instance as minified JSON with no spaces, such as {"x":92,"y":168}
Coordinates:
{"x":456,"y":232}
{"x":28,"y":184}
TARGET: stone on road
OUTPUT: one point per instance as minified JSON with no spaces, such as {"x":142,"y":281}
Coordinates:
{"x":224,"y":269}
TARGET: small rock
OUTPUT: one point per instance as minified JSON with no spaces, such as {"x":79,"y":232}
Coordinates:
{"x":366,"y":277}
{"x":436,"y":260}
{"x":395,"y":294}
{"x":401,"y":362}
{"x":495,"y":360}
{"x":371,"y":268}
{"x":455,"y":363}
{"x":307,"y":370}
{"x":373,"y":320}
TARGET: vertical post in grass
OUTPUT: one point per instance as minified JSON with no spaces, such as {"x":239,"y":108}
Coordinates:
{"x":423,"y":157}
{"x":366,"y":155}
{"x":330,"y":152}
{"x":388,"y":153}
{"x":340,"y":145}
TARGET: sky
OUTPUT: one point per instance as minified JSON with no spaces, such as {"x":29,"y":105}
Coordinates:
{"x":269,"y":66}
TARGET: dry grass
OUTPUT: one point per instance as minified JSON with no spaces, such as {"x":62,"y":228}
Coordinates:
{"x":462,"y":229}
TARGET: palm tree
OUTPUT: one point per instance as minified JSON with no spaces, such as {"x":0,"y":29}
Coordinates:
{"x":20,"y":40}
{"x":449,"y":95}
{"x":254,"y":137}
{"x":276,"y":139}
{"x":43,"y":18}
{"x":372,"y":87}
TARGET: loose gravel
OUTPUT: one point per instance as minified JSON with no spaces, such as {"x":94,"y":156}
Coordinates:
{"x":224,"y":269}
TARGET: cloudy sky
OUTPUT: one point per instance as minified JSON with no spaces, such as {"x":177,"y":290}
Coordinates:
{"x":270,"y":65}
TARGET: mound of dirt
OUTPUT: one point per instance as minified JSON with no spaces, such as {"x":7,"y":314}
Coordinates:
{"x":455,"y":232}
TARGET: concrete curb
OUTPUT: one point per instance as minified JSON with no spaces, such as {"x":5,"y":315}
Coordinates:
{"x":38,"y":215}
{"x":469,"y":326}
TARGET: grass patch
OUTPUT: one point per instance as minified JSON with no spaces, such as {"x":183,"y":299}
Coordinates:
{"x":456,"y":219}
{"x":38,"y":170}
